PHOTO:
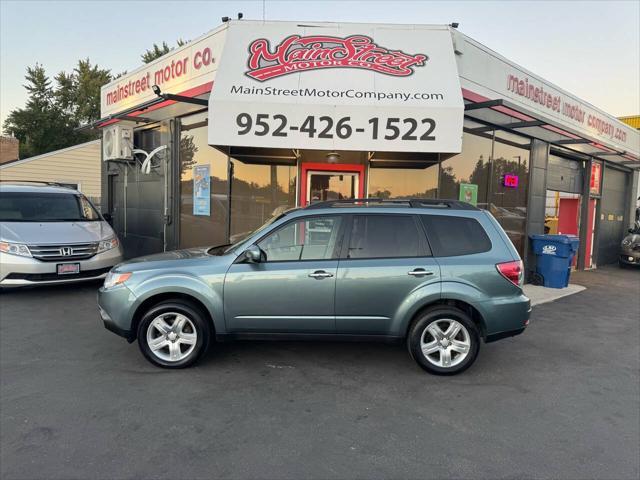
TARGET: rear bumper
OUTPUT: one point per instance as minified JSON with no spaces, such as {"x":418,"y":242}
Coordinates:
{"x":499,"y":336}
{"x":505,"y":316}
{"x":16,"y":271}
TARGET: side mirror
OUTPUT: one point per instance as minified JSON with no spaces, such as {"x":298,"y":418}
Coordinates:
{"x":253,"y":254}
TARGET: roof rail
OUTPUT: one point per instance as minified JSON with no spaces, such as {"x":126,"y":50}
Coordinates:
{"x":410,"y":202}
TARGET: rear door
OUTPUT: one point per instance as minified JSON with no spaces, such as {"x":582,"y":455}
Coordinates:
{"x":385,"y":258}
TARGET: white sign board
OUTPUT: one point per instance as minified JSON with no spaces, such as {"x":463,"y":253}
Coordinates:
{"x":337,"y":87}
{"x":178,"y":71}
{"x":490,"y":75}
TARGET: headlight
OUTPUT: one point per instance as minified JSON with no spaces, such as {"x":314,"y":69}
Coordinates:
{"x":626,"y":242}
{"x":108,"y":244}
{"x":15,"y":249}
{"x":112,"y":279}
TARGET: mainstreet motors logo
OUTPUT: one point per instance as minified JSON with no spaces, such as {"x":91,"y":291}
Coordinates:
{"x":297,"y":54}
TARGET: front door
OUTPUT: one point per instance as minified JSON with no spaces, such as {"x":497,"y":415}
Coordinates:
{"x":323,"y":182}
{"x":293,"y":288}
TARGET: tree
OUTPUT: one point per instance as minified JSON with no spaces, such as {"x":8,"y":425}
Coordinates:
{"x":41,"y":126}
{"x":158,"y":51}
{"x":78,"y":92}
{"x":54,"y":111}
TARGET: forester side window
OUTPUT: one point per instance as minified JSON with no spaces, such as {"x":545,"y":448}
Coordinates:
{"x":384,"y":236}
{"x":305,"y":239}
{"x":454,"y":236}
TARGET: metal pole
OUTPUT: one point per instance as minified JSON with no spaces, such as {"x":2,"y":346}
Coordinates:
{"x":126,"y":183}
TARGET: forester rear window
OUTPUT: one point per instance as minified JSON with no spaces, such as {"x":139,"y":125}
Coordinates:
{"x":454,"y":236}
{"x":384,"y":236}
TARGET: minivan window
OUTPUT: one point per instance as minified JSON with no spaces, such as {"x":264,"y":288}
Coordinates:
{"x":453,"y":236}
{"x":45,"y":207}
{"x":304,"y":239}
{"x":384,"y":236}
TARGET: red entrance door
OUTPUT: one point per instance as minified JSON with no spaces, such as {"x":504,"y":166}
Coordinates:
{"x":568,"y":212}
{"x":588,"y":261}
{"x":327,"y":181}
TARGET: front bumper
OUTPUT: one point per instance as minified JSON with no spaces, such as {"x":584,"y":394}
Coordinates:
{"x":630,"y":257}
{"x":16,"y":271}
{"x":116,"y":306}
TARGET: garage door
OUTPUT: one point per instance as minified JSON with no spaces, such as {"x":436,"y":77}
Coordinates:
{"x":612,"y":220}
{"x":564,"y":175}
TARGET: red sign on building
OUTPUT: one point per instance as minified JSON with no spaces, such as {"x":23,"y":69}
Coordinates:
{"x":596,"y":175}
{"x":510,"y":180}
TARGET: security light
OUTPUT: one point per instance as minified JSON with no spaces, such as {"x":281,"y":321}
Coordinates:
{"x":454,"y":24}
{"x":225,"y":19}
{"x":240,"y":15}
{"x":156,"y":89}
{"x":332,"y":157}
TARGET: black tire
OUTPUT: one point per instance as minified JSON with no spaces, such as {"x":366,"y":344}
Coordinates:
{"x":621,"y":264}
{"x":441,"y":314}
{"x":198,"y":319}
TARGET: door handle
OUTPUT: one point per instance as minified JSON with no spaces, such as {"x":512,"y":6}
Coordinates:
{"x":320,"y":274}
{"x":419,"y":272}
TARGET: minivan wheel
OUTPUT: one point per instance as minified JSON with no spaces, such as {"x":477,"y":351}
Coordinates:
{"x":173,"y":334}
{"x":444,"y":341}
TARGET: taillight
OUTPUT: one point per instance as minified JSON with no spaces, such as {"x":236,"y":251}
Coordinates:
{"x":512,"y":271}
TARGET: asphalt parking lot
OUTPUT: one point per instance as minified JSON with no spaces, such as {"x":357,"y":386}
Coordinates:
{"x":560,"y":401}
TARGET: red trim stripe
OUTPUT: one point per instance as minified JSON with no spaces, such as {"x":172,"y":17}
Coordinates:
{"x":329,"y":167}
{"x":191,"y":92}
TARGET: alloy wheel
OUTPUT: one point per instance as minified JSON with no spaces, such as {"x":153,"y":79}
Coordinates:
{"x":445,"y":343}
{"x":171,"y":336}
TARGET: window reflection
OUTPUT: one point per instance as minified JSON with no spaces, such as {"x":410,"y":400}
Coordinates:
{"x":508,"y":203}
{"x":201,"y":230}
{"x":259,"y":192}
{"x":485,"y":163}
{"x":470,"y":166}
{"x":403,"y":182}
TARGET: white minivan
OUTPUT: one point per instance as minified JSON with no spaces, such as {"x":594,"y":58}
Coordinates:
{"x":52,"y":234}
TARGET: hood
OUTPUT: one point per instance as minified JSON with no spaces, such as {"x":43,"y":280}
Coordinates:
{"x":54,"y":232}
{"x":175,"y":260}
{"x":631,"y":239}
{"x":187,"y":254}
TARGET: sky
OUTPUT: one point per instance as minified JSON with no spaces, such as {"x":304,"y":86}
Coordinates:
{"x":591,"y":49}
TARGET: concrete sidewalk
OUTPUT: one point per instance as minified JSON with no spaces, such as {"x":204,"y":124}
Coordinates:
{"x":540,"y":295}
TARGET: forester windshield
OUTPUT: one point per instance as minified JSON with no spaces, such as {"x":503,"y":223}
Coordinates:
{"x":45,"y":207}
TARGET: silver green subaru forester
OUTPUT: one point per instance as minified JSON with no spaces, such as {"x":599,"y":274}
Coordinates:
{"x":440,"y":275}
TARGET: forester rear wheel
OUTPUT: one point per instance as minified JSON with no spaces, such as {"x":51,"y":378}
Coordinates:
{"x":444,"y":341}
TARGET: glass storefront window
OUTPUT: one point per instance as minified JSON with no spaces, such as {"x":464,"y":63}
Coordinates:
{"x":259,"y":192}
{"x":509,"y":186}
{"x":197,"y":228}
{"x":501,"y":173}
{"x":470,"y":166}
{"x":403,"y":182}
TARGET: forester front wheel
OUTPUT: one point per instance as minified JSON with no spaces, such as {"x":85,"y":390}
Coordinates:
{"x":173,"y":334}
{"x":444,"y":341}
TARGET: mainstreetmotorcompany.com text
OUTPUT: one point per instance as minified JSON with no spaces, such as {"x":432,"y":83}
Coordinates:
{"x":329,"y":93}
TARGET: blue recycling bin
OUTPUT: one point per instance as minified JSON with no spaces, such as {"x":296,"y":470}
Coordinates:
{"x":554,"y":254}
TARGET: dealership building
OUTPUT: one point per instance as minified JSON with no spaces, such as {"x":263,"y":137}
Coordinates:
{"x":211,"y":140}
